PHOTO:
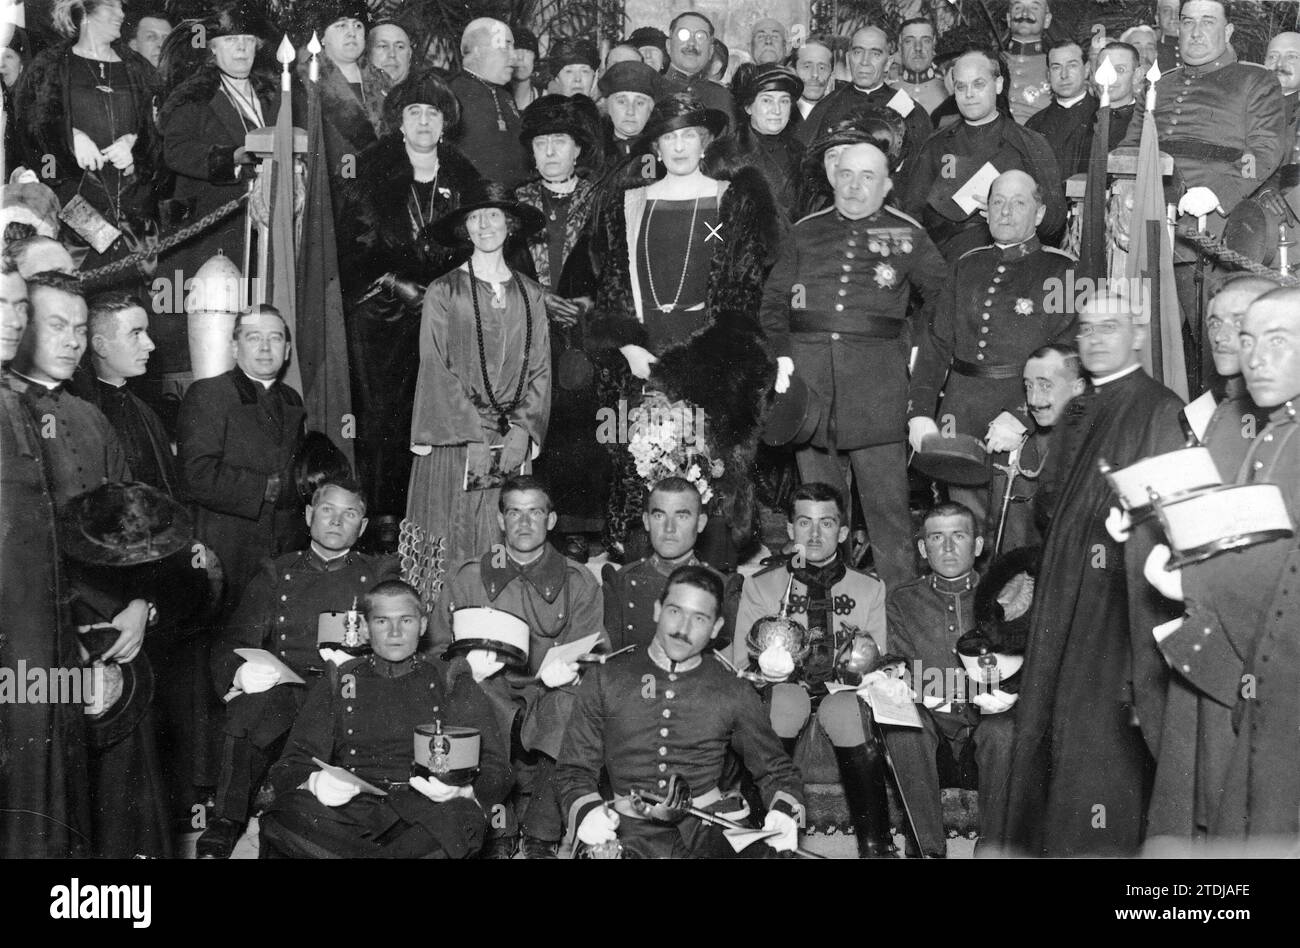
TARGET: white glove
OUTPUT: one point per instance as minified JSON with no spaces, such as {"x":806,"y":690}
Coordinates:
{"x":917,"y":429}
{"x":421,"y":450}
{"x":599,"y":826}
{"x":330,"y":790}
{"x":784,"y":369}
{"x":483,"y":664}
{"x":1119,"y":525}
{"x":436,"y":790}
{"x":776,"y":663}
{"x":788,"y":841}
{"x":889,"y":686}
{"x":933,"y":701}
{"x":1168,"y":582}
{"x":1199,"y":201}
{"x":995,"y":701}
{"x":1005,"y":433}
{"x":639,"y":360}
{"x":337,"y":656}
{"x":559,"y":674}
{"x":252,"y":679}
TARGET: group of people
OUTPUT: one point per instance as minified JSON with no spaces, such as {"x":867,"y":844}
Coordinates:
{"x":839,"y":271}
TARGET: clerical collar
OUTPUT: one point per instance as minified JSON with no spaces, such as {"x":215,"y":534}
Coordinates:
{"x":958,"y":584}
{"x":1021,"y":48}
{"x":325,"y":556}
{"x":491,"y":85}
{"x":916,"y":78}
{"x":116,"y":385}
{"x":1070,"y":103}
{"x":48,"y":386}
{"x":386,"y":669}
{"x":874,"y":89}
{"x":265,"y":385}
{"x":1105,"y":379}
{"x":660,"y":658}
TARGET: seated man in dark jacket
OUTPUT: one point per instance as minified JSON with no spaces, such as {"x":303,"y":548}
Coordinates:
{"x":361,"y":718}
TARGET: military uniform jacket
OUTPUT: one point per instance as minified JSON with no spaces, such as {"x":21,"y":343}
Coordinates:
{"x":926,"y":617}
{"x":1028,"y":90}
{"x":836,"y":303}
{"x":858,"y":599}
{"x":641,"y":723}
{"x":848,"y":101}
{"x":925,"y":87}
{"x":561,"y":602}
{"x":282,"y":603}
{"x":1001,"y":304}
{"x":630,"y":594}
{"x":957,"y":151}
{"x":1209,"y":118}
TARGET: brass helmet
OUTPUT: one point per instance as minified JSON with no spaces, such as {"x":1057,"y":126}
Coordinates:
{"x":779,"y":630}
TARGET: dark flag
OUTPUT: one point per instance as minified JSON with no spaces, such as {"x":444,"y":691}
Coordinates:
{"x":282,"y":291}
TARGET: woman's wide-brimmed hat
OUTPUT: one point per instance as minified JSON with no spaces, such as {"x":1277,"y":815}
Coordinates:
{"x":124,"y":525}
{"x":682,"y":110}
{"x":238,"y":18}
{"x":769,"y":77}
{"x":555,"y":114}
{"x":486,"y":194}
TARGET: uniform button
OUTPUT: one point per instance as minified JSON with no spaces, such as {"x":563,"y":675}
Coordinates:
{"x":982,"y":343}
{"x":1173,"y":121}
{"x":284,"y":598}
{"x":984,"y":329}
{"x":988,"y":302}
{"x":1002,"y":269}
{"x":353,"y":752}
{"x":670,"y":694}
{"x":835,"y":337}
{"x":850,"y":254}
{"x":1187,"y":668}
{"x":952,"y":628}
{"x":349,"y":708}
{"x":663,"y":783}
{"x":980,"y":356}
{"x":844,"y":279}
{"x":662,"y":768}
{"x":852,"y":243}
{"x":283,"y":636}
{"x":846,"y":267}
{"x":286,"y":575}
{"x":996,"y":281}
{"x":672,"y":677}
{"x":663,"y":752}
{"x":631,"y":605}
{"x":1206,"y":630}
{"x":667,"y":713}
{"x":839,"y":307}
{"x":950,"y":608}
{"x":1259,"y":465}
{"x":984,"y":316}
{"x":1268,"y":437}
{"x":842,"y":293}
{"x":1196,"y":647}
{"x":349,"y":730}
{"x":282,"y":617}
{"x":993,"y":289}
{"x":663,"y":732}
{"x":630,"y":627}
{"x":632,"y":583}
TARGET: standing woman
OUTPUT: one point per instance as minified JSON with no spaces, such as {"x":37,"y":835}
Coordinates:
{"x":484,"y":393}
{"x":764,"y":139}
{"x":405,"y":182}
{"x":575,"y":466}
{"x":88,"y":104}
{"x":678,"y":258}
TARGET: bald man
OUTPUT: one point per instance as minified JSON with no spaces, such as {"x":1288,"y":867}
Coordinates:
{"x":1241,"y":609}
{"x":869,"y":67}
{"x":490,"y":123}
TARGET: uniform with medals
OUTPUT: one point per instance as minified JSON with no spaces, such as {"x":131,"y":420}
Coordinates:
{"x":1028,"y":92}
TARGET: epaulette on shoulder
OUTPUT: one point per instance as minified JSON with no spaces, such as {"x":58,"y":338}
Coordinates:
{"x":901,"y":216}
{"x":814,"y":214}
{"x":1064,"y":253}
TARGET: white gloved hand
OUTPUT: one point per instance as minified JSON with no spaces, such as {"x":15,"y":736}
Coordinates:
{"x":918,"y":429}
{"x":639,"y":360}
{"x":784,"y":369}
{"x":252,"y":679}
{"x":559,"y":674}
{"x":421,"y":450}
{"x":331,"y":790}
{"x":776,"y":663}
{"x":337,"y":656}
{"x":599,"y":826}
{"x":933,"y":701}
{"x":788,"y":841}
{"x":436,"y":790}
{"x":483,"y":664}
{"x":1169,"y":583}
{"x":1005,"y":433}
{"x":1199,"y":201}
{"x":995,"y":701}
{"x":1119,"y":525}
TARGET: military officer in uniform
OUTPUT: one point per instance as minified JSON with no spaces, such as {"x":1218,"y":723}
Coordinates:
{"x":561,"y":602}
{"x":1004,"y":301}
{"x":835,"y":310}
{"x":939,"y":193}
{"x":926,"y":618}
{"x":279,"y":611}
{"x":670,"y":711}
{"x":1168,"y":58}
{"x":919,"y":78}
{"x":1026,"y":58}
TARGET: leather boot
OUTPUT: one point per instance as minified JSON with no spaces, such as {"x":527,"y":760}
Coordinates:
{"x":862,"y":774}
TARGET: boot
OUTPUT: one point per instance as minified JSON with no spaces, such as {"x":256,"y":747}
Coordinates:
{"x":862,"y":774}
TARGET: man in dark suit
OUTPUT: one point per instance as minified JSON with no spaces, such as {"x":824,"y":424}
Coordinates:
{"x":236,"y":436}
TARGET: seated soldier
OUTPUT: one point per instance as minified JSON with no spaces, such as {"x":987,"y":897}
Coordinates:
{"x":926,"y":618}
{"x":661,"y":719}
{"x":674,"y":516}
{"x":843,"y":612}
{"x":561,"y":603}
{"x":362,"y":718}
{"x":279,"y":612}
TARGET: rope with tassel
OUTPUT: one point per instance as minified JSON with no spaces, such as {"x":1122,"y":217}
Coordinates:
{"x":1224,"y":254}
{"x":166,"y":243}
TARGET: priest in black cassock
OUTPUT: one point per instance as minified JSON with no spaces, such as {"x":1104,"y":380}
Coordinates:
{"x":1066,"y":123}
{"x":1094,"y":681}
{"x":118,"y":333}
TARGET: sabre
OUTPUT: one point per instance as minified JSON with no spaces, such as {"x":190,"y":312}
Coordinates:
{"x":1012,"y":469}
{"x":715,"y":820}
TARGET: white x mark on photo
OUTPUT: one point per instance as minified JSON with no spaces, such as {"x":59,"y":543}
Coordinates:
{"x":713,"y":232}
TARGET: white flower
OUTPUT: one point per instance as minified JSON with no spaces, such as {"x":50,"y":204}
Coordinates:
{"x":694,"y":473}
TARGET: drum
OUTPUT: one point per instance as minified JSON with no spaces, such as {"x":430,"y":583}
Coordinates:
{"x":1169,"y":476}
{"x":1224,"y":518}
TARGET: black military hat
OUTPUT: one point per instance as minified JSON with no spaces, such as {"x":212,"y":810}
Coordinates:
{"x":423,"y":88}
{"x":630,"y":77}
{"x":682,"y":110}
{"x":485,"y":194}
{"x":769,"y":77}
{"x":993,"y":651}
{"x":124,"y":525}
{"x":955,"y":459}
{"x":794,"y":416}
{"x":555,"y":114}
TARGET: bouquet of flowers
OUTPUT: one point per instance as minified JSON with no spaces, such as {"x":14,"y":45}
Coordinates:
{"x":668,"y":439}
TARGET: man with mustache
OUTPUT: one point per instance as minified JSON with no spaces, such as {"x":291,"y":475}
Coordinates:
{"x":667,"y":711}
{"x":815,"y":64}
{"x":919,"y":78}
{"x":1241,"y":608}
{"x":1029,"y":90}
{"x":768,"y":42}
{"x":690,"y":48}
